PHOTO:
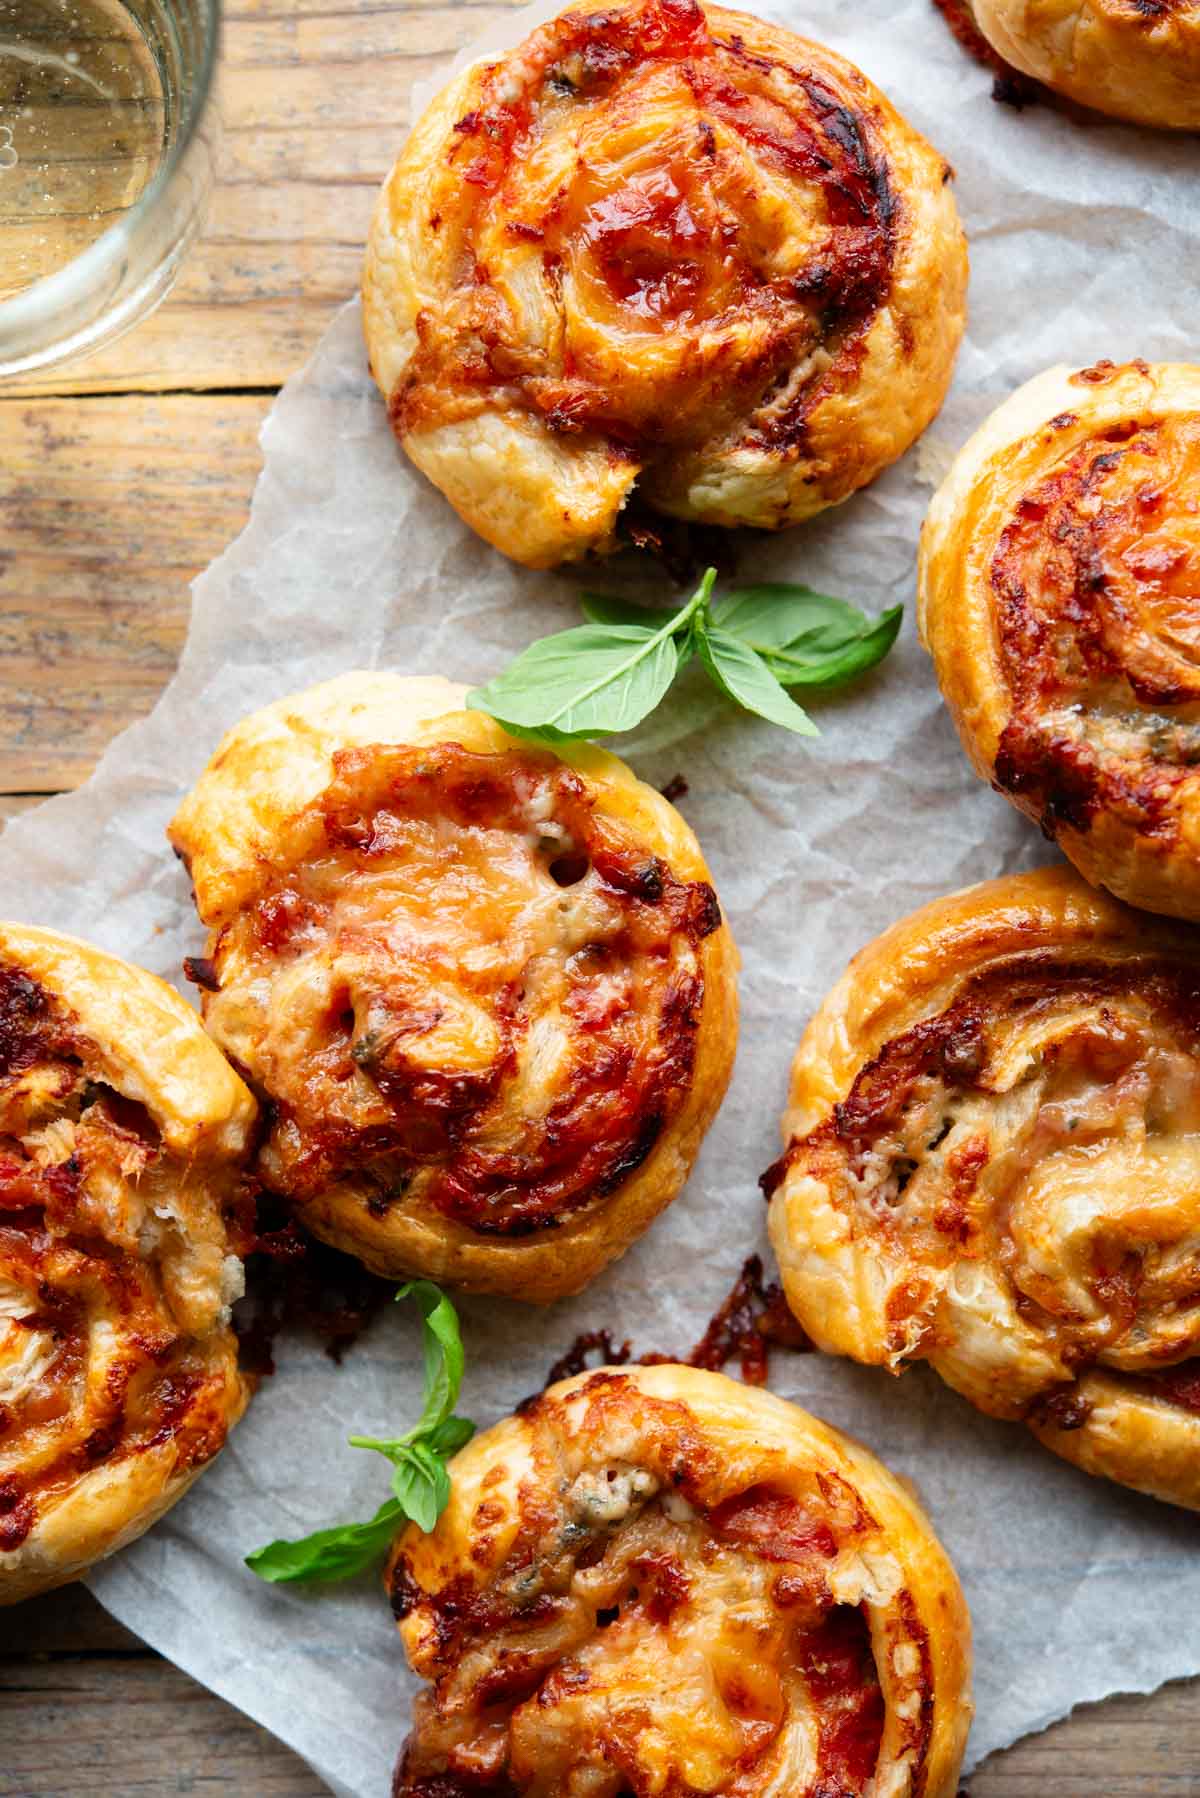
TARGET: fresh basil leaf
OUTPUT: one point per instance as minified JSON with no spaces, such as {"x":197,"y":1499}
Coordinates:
{"x":807,"y":638}
{"x":596,"y":679}
{"x":418,"y":1491}
{"x":606,"y":608}
{"x":443,"y":1351}
{"x":332,"y":1554}
{"x":777,"y":614}
{"x":438,"y":1479}
{"x":804,"y":668}
{"x":590,"y":681}
{"x":420,"y":1481}
{"x":741,"y":673}
{"x":450,"y":1436}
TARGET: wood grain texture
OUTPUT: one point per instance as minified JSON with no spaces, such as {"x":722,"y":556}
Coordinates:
{"x":68,"y":1673}
{"x":110,"y":503}
{"x":108,"y":507}
{"x":60,"y":1738}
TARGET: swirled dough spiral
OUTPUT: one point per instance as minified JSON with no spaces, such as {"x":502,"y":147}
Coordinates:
{"x":668,"y":246}
{"x":485,"y":990}
{"x":1136,"y":59}
{"x":659,"y":1580}
{"x":1060,"y":600}
{"x":993,"y":1165}
{"x":122,"y":1137}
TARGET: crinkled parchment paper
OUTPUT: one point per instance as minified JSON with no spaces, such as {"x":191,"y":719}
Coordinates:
{"x":1080,"y":235}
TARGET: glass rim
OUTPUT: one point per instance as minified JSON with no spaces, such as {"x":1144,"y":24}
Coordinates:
{"x":55,"y":293}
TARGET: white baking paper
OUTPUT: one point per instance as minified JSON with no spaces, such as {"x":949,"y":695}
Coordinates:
{"x":1083,"y":242}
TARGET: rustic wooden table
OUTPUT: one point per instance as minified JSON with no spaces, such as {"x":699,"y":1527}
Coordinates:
{"x":120,"y":478}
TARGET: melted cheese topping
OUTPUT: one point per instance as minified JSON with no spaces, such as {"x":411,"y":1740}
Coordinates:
{"x":476,"y":998}
{"x":1096,"y":579}
{"x":665,"y":243}
{"x":649,"y":1647}
{"x":116,"y":1277}
{"x":652,"y":232}
{"x":1023,"y":1171}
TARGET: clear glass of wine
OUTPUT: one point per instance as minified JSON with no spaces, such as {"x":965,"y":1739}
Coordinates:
{"x":108,"y":130}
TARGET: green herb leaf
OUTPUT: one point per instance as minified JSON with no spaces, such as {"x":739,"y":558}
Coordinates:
{"x":332,"y":1554}
{"x":775,"y":614}
{"x":807,"y":638}
{"x":443,"y":1350}
{"x":422,"y":1487}
{"x":607,"y":675}
{"x":587,"y":682}
{"x":450,"y":1436}
{"x":594,"y":680}
{"x":420,"y":1480}
{"x":606,"y":608}
{"x":743,"y":674}
{"x":836,"y":667}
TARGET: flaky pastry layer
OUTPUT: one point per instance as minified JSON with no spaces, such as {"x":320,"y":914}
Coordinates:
{"x":123,"y":1134}
{"x":657,"y":1579}
{"x":993,"y":1164}
{"x":1135,"y":59}
{"x":1059,"y":574}
{"x":484,"y":989}
{"x":665,"y":251}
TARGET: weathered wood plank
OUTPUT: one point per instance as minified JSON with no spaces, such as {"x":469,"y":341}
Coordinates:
{"x":66,"y":1622}
{"x":1127,"y":1747}
{"x":175,"y":1737}
{"x":108,"y":508}
{"x":61,"y":1738}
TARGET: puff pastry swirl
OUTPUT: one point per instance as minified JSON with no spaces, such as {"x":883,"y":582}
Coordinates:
{"x":1060,"y":569}
{"x":485,"y":990}
{"x":1135,"y":59}
{"x":665,"y":245}
{"x":993,"y":1165}
{"x":659,"y":1580}
{"x":122,"y":1137}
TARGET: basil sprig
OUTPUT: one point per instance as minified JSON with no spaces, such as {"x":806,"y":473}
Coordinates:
{"x":605,"y":676}
{"x":420,"y":1482}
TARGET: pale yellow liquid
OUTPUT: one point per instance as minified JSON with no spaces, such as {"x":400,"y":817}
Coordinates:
{"x":81,"y":129}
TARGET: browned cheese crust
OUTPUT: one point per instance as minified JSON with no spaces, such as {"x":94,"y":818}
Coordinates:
{"x":484,"y":990}
{"x":993,"y":1165}
{"x":659,"y":1580}
{"x":1135,"y":59}
{"x":1060,"y":600}
{"x":122,"y":1138}
{"x":668,"y":248}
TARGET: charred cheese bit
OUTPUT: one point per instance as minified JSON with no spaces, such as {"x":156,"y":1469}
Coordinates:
{"x":123,"y":1136}
{"x":664,"y":250}
{"x":656,"y":1580}
{"x":993,"y":1164}
{"x":485,"y":989}
{"x":1060,"y":600}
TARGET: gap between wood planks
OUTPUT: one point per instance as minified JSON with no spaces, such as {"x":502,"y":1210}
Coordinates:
{"x":77,"y":1671}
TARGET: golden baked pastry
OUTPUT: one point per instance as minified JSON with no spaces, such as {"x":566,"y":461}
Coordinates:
{"x":993,"y":1165}
{"x":485,"y":989}
{"x":658,"y":1580}
{"x":1135,"y":59}
{"x":122,"y":1137}
{"x":666,"y":247}
{"x":1059,"y":584}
